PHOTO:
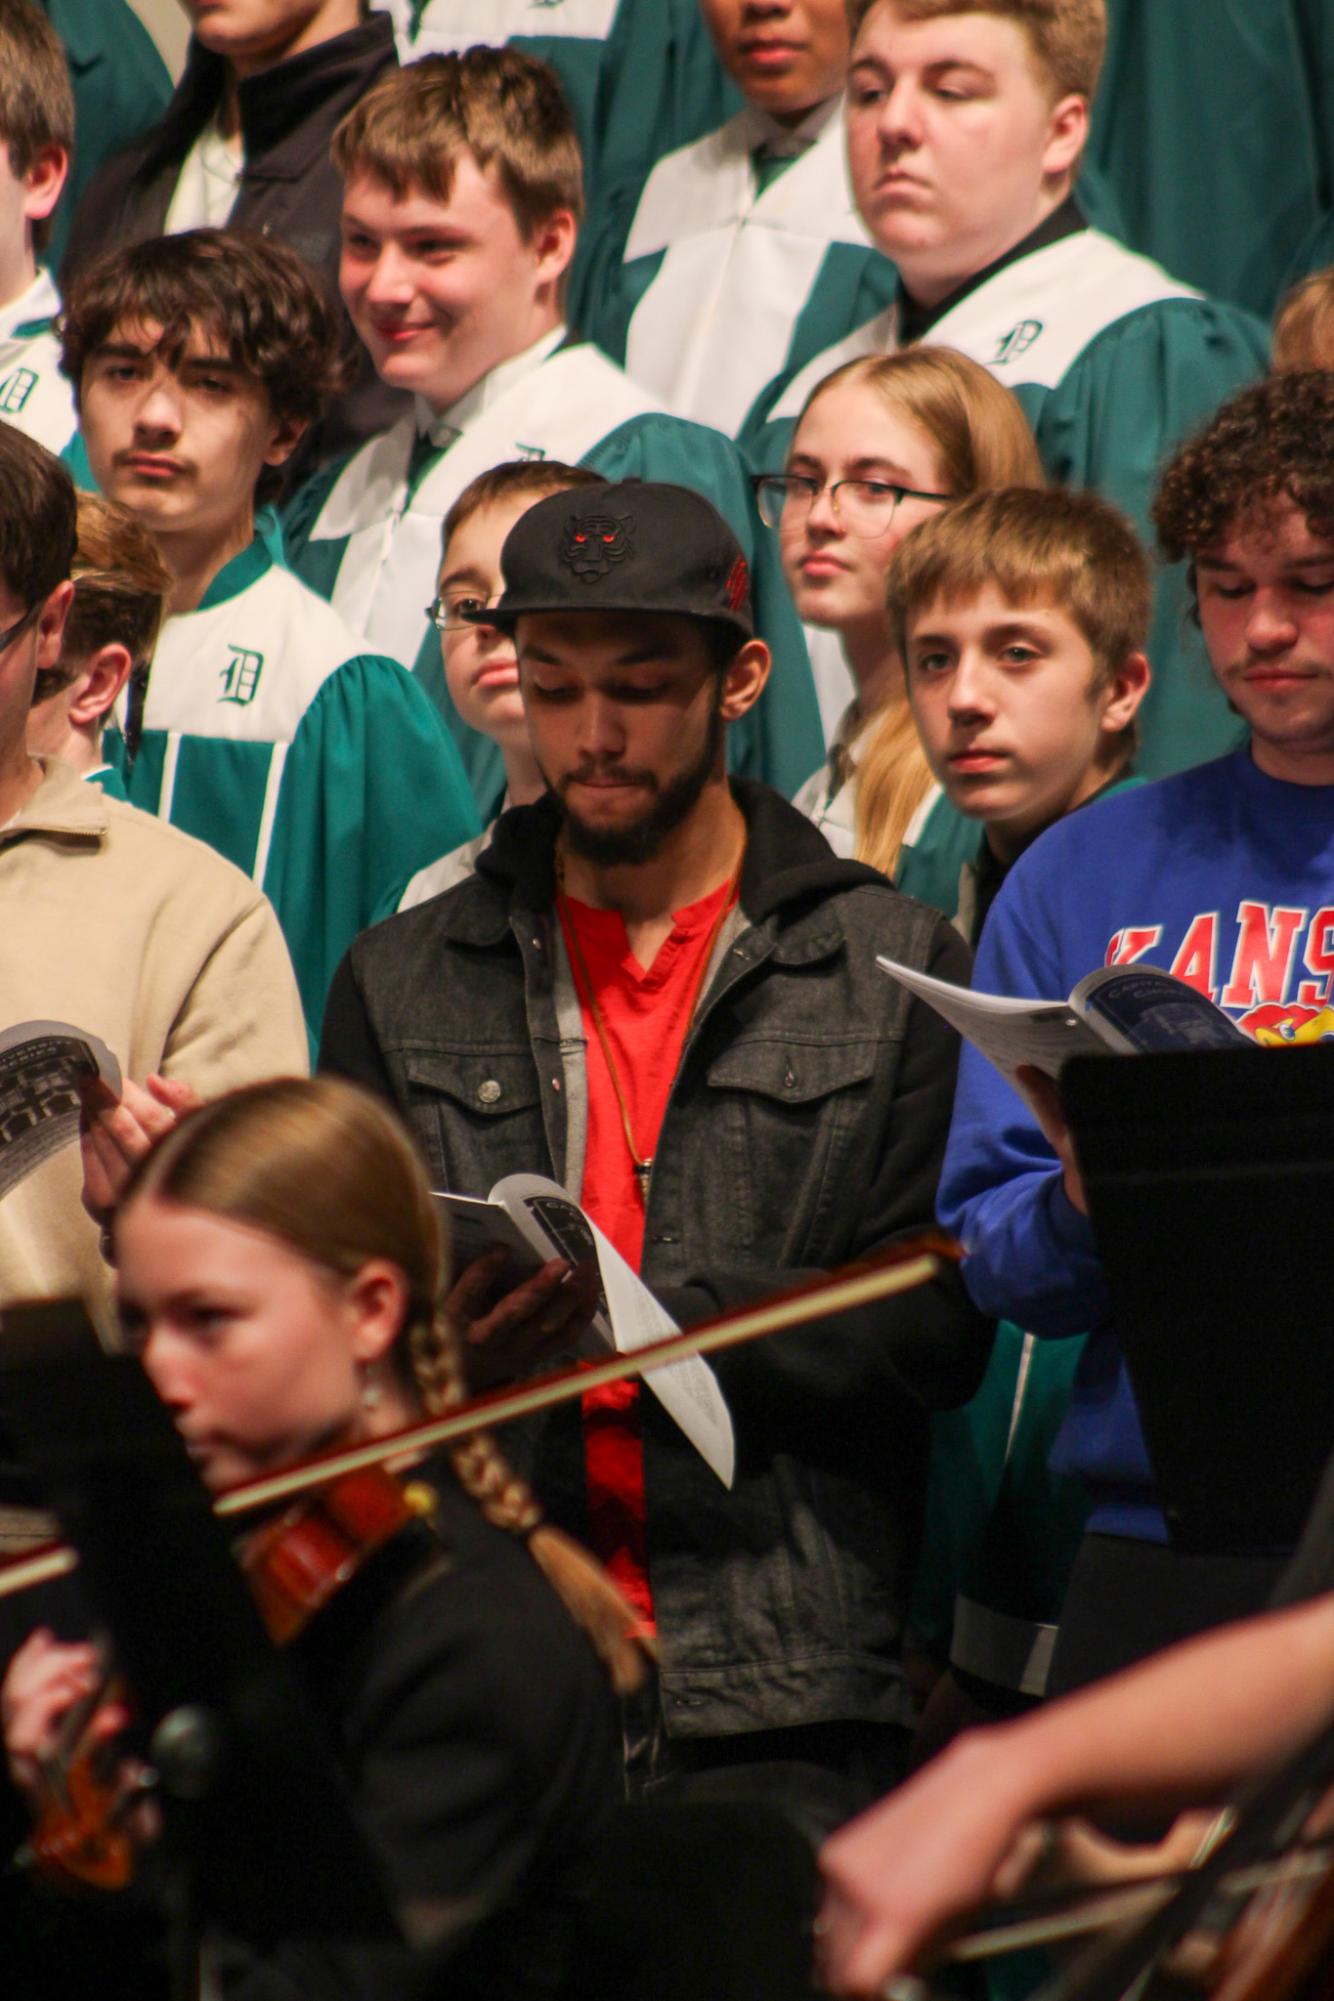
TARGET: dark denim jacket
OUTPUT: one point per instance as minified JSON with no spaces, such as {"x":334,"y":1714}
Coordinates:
{"x":804,"y":1129}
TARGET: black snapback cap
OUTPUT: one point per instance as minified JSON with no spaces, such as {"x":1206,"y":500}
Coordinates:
{"x":640,"y":545}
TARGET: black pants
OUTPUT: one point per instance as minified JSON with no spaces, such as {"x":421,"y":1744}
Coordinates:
{"x":817,"y":1774}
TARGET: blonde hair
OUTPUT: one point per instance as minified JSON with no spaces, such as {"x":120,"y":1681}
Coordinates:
{"x":1068,"y":37}
{"x":1060,"y":547}
{"x":330,"y":1173}
{"x":1304,"y":325}
{"x":981,"y":438}
{"x":121,"y":584}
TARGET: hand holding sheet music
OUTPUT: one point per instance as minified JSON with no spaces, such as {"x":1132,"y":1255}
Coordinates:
{"x":1116,"y":1010}
{"x":532,"y":1220}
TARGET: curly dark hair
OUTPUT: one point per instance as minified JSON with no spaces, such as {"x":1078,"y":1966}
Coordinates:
{"x":272,"y":312}
{"x":1274,"y":440}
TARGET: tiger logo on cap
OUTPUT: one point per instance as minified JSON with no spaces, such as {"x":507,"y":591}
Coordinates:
{"x":593,"y":544}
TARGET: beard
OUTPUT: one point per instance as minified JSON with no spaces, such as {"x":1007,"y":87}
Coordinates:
{"x":671,"y":805}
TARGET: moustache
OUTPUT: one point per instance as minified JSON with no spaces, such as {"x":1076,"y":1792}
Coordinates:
{"x":605,"y":774}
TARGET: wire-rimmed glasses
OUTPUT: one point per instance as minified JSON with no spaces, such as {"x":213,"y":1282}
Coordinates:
{"x":864,"y":506}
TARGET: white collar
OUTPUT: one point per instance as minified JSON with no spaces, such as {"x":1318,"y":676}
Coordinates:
{"x":444,"y":426}
{"x":38,"y":301}
{"x":789,"y":142}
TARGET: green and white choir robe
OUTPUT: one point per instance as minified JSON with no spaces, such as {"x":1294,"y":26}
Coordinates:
{"x":1000,"y":1529}
{"x":937,"y":841}
{"x":107,"y":776}
{"x":34,"y":396}
{"x":366,"y":533}
{"x":726,"y":275}
{"x":602,"y":50}
{"x":317,"y":767}
{"x":1115,"y":363}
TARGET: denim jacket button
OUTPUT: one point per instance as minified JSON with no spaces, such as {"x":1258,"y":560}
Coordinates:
{"x":488,"y":1091}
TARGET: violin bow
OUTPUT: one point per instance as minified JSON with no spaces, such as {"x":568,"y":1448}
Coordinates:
{"x":899,"y":1269}
{"x":1269,"y":1818}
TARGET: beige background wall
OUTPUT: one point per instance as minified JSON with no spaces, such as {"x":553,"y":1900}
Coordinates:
{"x":166,"y":22}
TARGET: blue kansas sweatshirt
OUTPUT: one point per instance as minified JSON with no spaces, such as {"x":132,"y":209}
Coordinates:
{"x":1225,"y":877}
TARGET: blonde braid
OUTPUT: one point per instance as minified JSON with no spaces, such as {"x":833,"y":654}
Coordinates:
{"x":506,"y":1499}
{"x":480,"y":1467}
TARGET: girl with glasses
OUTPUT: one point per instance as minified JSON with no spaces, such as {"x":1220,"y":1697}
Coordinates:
{"x":883,"y":444}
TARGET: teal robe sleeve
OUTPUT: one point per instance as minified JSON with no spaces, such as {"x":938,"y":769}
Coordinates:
{"x":691,"y":92}
{"x":121,"y":87}
{"x":316,"y":563}
{"x":767,"y":440}
{"x":1135,"y":393}
{"x":781,"y":741}
{"x":372,"y":790}
{"x":1315,"y":34}
{"x":604,"y":290}
{"x":75,"y":457}
{"x":929,"y":870}
{"x":1223,"y":200}
{"x":999,"y":1526}
{"x":1316,"y":254}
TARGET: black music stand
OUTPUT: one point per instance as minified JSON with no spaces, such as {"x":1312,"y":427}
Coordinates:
{"x":1210,"y":1180}
{"x":257,"y":1821}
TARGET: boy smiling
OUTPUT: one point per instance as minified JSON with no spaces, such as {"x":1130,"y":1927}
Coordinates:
{"x":462,"y":199}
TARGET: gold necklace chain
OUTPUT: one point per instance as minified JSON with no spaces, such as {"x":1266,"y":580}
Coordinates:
{"x":643,"y":1163}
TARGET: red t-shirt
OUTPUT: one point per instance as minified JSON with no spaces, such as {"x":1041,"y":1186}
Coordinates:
{"x":645,"y":1016}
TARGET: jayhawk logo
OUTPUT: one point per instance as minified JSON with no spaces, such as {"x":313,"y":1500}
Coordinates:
{"x":1279,"y":1025}
{"x":595,"y":543}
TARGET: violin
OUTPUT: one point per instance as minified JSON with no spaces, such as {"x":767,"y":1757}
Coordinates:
{"x":81,"y":1836}
{"x":294,"y":1564}
{"x":1253,"y":1920}
{"x":337,"y":1511}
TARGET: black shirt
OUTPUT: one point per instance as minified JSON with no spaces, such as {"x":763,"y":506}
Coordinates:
{"x":916,"y":321}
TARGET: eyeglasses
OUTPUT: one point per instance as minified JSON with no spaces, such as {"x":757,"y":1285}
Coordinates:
{"x":19,"y":627}
{"x":458,"y":611}
{"x":864,"y":506}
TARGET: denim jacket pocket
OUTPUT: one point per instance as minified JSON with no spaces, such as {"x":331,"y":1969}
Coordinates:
{"x":479,"y":1113}
{"x":790,"y":1117}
